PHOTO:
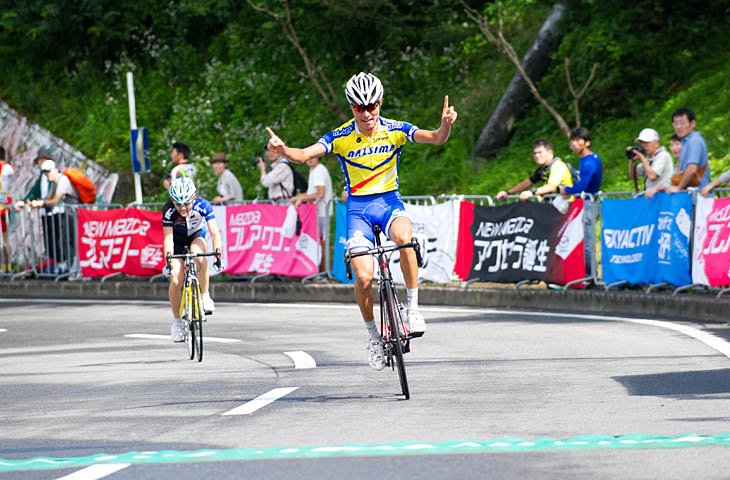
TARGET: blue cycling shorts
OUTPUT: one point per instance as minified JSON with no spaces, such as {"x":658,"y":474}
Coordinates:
{"x":364,"y":211}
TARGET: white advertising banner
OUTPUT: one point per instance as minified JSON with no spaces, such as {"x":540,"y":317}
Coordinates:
{"x":435,"y":227}
{"x":711,"y":247}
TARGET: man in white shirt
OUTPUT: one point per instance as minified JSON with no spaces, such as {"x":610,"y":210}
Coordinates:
{"x":229,"y":189}
{"x":61,"y":241}
{"x":280,"y":180}
{"x":180,"y":156}
{"x":319,"y":190}
{"x":657,"y":165}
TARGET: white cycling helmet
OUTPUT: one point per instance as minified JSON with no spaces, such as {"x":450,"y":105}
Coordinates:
{"x":182,"y":190}
{"x":363,"y":89}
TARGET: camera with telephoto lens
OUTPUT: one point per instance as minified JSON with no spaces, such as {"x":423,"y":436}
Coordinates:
{"x":632,"y":152}
{"x":266,"y":149}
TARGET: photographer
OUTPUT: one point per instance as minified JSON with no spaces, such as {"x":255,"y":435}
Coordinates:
{"x":650,"y":160}
{"x":280,"y":179}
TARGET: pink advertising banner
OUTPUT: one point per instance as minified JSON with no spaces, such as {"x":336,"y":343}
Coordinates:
{"x":124,"y":240}
{"x":711,"y":251}
{"x":264,"y":238}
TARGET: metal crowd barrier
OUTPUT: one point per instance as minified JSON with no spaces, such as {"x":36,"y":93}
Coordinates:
{"x":43,"y":242}
{"x":476,"y":199}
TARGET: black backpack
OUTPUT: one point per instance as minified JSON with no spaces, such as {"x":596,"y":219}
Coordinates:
{"x":571,"y":169}
{"x":300,"y":183}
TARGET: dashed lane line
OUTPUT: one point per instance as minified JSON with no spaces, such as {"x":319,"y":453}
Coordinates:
{"x":301,"y":359}
{"x":167,"y":338}
{"x":261,"y":401}
{"x":94,"y":472}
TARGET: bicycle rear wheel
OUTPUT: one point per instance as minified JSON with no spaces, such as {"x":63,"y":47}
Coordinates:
{"x":394,"y":335}
{"x":196,"y":326}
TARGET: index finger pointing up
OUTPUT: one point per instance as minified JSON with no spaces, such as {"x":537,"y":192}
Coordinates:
{"x":446,"y":102}
{"x":271,"y":132}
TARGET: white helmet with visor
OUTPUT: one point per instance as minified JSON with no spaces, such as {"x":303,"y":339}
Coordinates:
{"x":182,"y":191}
{"x":363,"y":89}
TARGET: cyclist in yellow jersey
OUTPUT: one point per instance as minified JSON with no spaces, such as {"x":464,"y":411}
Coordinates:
{"x":369,"y":148}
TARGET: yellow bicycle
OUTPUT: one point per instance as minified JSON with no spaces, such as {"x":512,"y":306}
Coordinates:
{"x":192,"y":312}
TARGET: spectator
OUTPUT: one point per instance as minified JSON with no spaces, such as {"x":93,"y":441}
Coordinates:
{"x":229,"y":189}
{"x":180,"y":156}
{"x":7,"y":172}
{"x":280,"y":179}
{"x":551,"y":171}
{"x":590,"y":173}
{"x":320,"y":191}
{"x":656,"y":165}
{"x":62,"y":239}
{"x":692,"y":165}
{"x":40,"y":188}
{"x":675,"y":145}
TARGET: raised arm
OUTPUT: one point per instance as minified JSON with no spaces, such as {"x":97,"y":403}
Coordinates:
{"x":298,"y":155}
{"x":440,"y":136}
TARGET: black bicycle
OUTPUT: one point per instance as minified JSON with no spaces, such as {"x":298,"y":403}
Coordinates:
{"x":192,"y":312}
{"x":396,"y":337}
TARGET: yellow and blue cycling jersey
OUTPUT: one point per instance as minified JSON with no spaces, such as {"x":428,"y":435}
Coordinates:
{"x":370,"y":165}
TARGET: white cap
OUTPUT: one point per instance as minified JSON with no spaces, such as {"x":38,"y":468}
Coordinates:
{"x":48,"y":165}
{"x":647,"y":135}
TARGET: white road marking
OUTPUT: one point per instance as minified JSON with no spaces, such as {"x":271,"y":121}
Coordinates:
{"x":96,"y":471}
{"x":167,"y":337}
{"x":3,"y":330}
{"x":302,"y":359}
{"x":716,"y":343}
{"x":260,"y":401}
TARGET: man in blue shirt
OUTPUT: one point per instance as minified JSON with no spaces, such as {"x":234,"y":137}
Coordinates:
{"x":590,"y":175}
{"x":693,"y":152}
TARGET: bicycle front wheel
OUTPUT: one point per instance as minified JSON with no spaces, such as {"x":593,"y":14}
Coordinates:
{"x":187,"y":319}
{"x":196,"y":326}
{"x":395,"y":336}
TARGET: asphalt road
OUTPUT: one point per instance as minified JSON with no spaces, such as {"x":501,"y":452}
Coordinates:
{"x":494,"y":394}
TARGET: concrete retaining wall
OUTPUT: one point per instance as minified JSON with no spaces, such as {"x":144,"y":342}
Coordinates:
{"x":685,"y":307}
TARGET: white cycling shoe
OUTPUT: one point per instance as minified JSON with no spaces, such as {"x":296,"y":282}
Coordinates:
{"x":208,"y":304}
{"x":176,"y":332}
{"x":416,"y":324}
{"x":376,"y":355}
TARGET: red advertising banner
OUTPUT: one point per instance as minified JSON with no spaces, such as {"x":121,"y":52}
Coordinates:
{"x":464,"y":241}
{"x":126,"y":240}
{"x":568,"y":261}
{"x":264,"y":238}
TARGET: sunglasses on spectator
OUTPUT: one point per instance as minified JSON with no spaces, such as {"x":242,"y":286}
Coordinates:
{"x":361,"y":108}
